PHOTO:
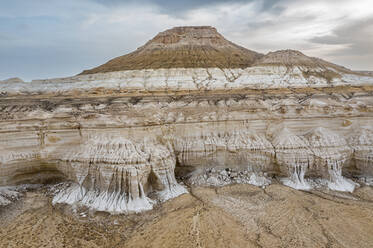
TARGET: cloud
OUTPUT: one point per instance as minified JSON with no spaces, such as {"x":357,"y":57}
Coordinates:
{"x":357,"y":37}
{"x":173,"y":7}
{"x":353,"y":42}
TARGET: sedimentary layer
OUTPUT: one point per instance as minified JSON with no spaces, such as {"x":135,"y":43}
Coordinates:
{"x":264,"y":132}
{"x":119,"y":136}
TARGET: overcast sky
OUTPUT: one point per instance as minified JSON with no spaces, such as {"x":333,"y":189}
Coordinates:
{"x":55,"y":38}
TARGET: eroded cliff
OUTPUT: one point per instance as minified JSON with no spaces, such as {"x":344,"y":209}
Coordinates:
{"x":120,"y":135}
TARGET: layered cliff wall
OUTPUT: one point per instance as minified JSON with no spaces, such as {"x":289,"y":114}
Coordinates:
{"x":119,"y":136}
{"x":215,"y":128}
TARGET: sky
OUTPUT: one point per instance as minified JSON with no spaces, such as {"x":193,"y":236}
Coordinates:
{"x":55,"y":38}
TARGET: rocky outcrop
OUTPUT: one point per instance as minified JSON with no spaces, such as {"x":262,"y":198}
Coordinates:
{"x":7,"y":195}
{"x":116,"y":175}
{"x":331,"y":154}
{"x":293,"y":157}
{"x":119,"y":135}
{"x":183,"y":47}
{"x":12,"y":80}
{"x":361,"y":141}
{"x":240,"y":149}
{"x":194,"y":59}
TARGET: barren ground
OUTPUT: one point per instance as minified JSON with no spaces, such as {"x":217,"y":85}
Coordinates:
{"x":230,"y":216}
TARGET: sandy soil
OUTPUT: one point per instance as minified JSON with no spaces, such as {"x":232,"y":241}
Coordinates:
{"x":230,"y":216}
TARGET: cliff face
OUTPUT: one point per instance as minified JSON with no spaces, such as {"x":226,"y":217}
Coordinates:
{"x":119,"y":136}
{"x":114,"y":174}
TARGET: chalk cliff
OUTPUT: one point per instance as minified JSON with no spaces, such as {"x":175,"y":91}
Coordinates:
{"x":187,"y":101}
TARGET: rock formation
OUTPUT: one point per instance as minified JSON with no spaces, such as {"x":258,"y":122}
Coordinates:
{"x":361,"y":142}
{"x":115,"y":174}
{"x":293,"y":157}
{"x":12,"y":80}
{"x":190,"y":101}
{"x":331,"y":154}
{"x":230,"y":149}
{"x":183,"y":47}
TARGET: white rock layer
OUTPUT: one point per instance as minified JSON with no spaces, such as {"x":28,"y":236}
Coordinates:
{"x":294,"y":158}
{"x":115,"y":174}
{"x":331,"y":154}
{"x":232,"y":149}
{"x":362,"y":143}
{"x":258,"y":77}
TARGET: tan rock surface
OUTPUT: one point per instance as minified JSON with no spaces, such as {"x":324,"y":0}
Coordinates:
{"x":37,"y":132}
{"x":192,"y":102}
{"x":231,"y":216}
{"x":183,"y":47}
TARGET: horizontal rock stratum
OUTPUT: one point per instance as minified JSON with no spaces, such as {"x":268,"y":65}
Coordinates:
{"x":187,"y":101}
